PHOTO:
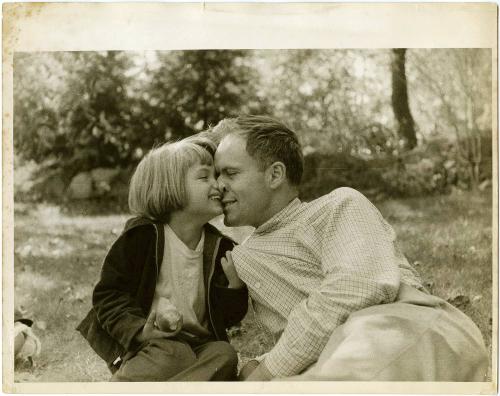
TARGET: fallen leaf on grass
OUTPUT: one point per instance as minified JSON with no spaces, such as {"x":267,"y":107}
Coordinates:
{"x":42,"y":325}
{"x":429,"y":285}
{"x":24,"y":251}
{"x":460,"y":301}
{"x":476,"y":298}
{"x":235,"y":331}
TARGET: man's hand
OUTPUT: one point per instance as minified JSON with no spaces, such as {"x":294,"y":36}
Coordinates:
{"x":261,"y":373}
{"x":247,"y":369}
{"x":232,"y":276}
{"x":150,"y":331}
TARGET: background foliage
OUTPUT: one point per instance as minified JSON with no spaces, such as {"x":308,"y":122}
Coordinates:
{"x":89,"y":117}
{"x":78,"y":111}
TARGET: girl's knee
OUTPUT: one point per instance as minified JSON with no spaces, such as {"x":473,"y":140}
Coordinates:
{"x":225,"y":360}
{"x":159,"y":360}
{"x":226,"y":349}
{"x":223,"y":352}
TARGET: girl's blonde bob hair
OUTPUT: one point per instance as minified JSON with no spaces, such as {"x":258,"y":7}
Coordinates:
{"x":157,"y":187}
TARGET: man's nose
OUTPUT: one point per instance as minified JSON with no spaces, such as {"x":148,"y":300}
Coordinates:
{"x":220,"y":182}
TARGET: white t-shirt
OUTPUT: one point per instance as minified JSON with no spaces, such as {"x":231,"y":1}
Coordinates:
{"x":181,"y":281}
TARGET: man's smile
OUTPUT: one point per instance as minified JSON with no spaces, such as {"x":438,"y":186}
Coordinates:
{"x":228,"y":202}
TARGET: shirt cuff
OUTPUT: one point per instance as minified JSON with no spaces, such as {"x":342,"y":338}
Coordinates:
{"x":260,"y":358}
{"x":280,"y":363}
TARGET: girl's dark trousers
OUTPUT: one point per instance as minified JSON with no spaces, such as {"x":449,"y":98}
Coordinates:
{"x":164,"y":359}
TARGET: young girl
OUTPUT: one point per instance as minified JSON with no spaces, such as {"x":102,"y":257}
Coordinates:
{"x":168,"y":253}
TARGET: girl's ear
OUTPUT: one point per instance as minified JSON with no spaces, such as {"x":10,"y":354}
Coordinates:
{"x":276,"y":174}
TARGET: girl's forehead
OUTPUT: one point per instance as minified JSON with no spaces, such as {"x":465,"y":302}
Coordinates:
{"x":200,"y":159}
{"x":199,"y":165}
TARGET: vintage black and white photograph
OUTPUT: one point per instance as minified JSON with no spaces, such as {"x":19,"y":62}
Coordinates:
{"x":263,"y":214}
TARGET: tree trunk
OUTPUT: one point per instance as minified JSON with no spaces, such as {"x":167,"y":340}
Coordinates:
{"x":400,"y":105}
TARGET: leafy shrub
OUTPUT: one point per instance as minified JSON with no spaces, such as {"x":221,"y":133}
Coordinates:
{"x":325,"y":172}
{"x":426,"y":177}
{"x":434,"y":168}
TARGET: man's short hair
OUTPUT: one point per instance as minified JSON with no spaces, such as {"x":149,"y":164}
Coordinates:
{"x":158,"y":186}
{"x":268,"y":141}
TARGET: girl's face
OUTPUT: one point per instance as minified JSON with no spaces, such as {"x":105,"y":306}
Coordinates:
{"x":203,"y":195}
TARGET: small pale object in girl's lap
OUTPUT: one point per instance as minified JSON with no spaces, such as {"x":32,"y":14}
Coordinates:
{"x":168,"y":318}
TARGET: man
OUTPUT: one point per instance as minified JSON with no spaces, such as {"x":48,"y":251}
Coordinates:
{"x":327,"y":276}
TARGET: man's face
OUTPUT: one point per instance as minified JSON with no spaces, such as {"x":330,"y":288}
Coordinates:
{"x":246,"y":195}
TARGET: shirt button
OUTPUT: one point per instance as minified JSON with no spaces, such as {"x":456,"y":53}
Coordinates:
{"x":257,"y":285}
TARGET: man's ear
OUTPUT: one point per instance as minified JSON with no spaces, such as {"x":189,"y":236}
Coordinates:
{"x":276,"y":174}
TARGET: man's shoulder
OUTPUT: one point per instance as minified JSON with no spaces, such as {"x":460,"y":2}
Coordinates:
{"x":339,"y":196}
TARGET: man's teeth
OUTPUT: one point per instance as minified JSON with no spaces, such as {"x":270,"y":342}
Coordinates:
{"x":215,"y":198}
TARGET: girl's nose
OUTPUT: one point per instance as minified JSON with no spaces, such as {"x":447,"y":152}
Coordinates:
{"x":215,"y":184}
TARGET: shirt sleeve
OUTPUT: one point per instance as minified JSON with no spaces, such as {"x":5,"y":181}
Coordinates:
{"x":358,"y":259}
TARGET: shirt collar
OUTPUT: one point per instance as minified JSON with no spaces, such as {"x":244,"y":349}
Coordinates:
{"x":278,"y":219}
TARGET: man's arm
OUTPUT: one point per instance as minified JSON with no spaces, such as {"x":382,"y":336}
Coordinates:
{"x":360,"y":269}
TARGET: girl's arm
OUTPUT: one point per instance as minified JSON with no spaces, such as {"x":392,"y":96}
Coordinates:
{"x":114,"y":298}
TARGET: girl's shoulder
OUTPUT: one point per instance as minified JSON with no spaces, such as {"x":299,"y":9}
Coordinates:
{"x":135,"y":222}
{"x":138,"y":229}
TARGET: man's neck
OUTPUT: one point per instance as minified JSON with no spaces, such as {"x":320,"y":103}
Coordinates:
{"x":279,"y":203}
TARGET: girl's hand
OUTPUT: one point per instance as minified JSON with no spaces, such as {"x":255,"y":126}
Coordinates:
{"x":232,"y":276}
{"x":150,"y":331}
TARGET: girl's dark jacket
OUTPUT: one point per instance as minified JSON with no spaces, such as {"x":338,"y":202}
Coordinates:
{"x":124,"y":294}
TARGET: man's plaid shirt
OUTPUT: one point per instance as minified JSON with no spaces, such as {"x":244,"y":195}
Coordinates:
{"x":311,"y":265}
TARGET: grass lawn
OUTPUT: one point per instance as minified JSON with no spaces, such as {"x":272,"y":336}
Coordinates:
{"x":58,"y":257}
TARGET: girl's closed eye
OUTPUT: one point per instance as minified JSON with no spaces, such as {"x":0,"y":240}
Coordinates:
{"x":204,"y":174}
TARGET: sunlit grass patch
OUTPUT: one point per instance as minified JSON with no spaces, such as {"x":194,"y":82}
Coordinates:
{"x":449,"y":241}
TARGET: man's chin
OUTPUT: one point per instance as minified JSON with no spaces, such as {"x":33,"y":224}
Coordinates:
{"x":229,"y":222}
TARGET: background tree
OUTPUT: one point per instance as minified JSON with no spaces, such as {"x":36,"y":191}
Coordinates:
{"x":336,"y":99}
{"x":96,"y":119}
{"x":454,"y":96}
{"x":401,"y":107}
{"x":74,"y":108}
{"x":39,"y":81}
{"x":75,"y":111}
{"x":191,"y":90}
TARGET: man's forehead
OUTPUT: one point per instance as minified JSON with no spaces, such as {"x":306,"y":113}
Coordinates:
{"x":232,"y":140}
{"x":232,"y":153}
{"x":230,"y":145}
